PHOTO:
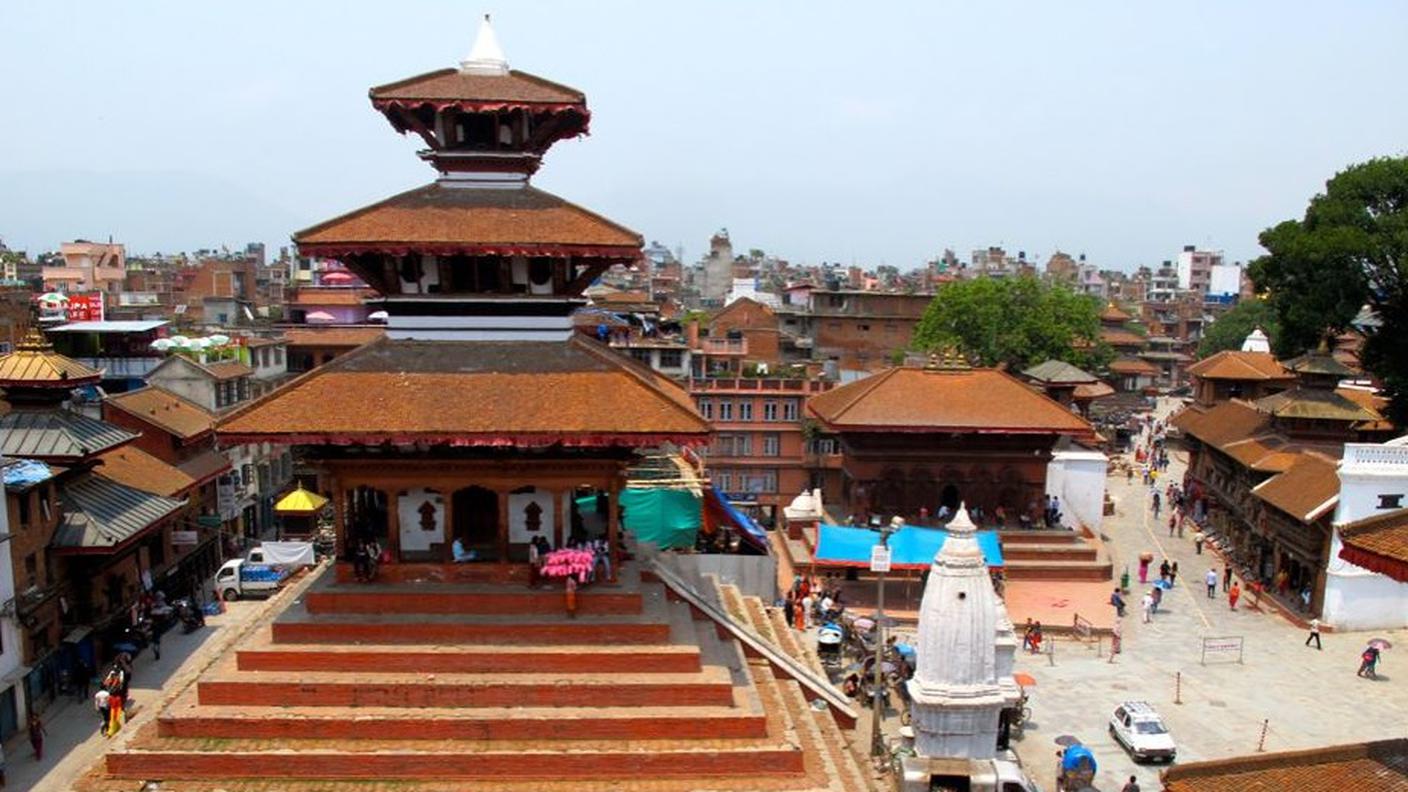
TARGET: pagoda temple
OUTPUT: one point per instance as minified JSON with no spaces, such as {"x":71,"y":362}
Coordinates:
{"x":481,"y":422}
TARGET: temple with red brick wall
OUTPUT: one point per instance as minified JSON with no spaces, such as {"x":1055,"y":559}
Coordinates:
{"x":479,"y":422}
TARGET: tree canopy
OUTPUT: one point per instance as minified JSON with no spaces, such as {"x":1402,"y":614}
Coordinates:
{"x":1350,"y":249}
{"x":1018,"y":321}
{"x":1233,"y":327}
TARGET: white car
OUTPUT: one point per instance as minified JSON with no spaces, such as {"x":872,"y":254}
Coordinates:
{"x":1139,"y":728}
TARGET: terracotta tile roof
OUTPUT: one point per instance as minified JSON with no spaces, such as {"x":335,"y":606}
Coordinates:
{"x":1267,"y":453}
{"x":227,"y":369}
{"x":35,"y":364}
{"x":477,"y":393}
{"x":348,"y":337}
{"x":316,"y":296}
{"x":205,"y":466}
{"x":1059,"y":372}
{"x":1379,"y":543}
{"x":165,"y":410}
{"x":1369,"y":401}
{"x":1319,"y":362}
{"x":1306,"y":490}
{"x":136,"y":468}
{"x":1232,"y":364}
{"x":1095,"y":390}
{"x":1381,"y":766}
{"x":516,"y":87}
{"x":1222,"y":423}
{"x":912,"y":399}
{"x":1119,"y":337}
{"x":450,"y":220}
{"x":1315,"y":403}
{"x":1133,"y":365}
{"x":1112,"y":313}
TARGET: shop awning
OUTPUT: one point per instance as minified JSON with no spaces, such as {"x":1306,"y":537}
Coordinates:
{"x":912,"y":547}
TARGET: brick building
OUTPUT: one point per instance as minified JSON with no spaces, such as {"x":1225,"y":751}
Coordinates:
{"x":863,"y":330}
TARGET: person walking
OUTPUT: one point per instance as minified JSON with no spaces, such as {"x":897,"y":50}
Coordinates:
{"x":1211,"y":579}
{"x":36,"y":736}
{"x":1198,"y":538}
{"x":1232,"y":595}
{"x":1314,"y":634}
{"x":100,"y":703}
{"x":1116,"y":637}
{"x":1118,"y":602}
{"x":1164,"y":570}
{"x":1368,"y":661}
{"x":1146,"y":606}
{"x":1172,"y":523}
{"x":1132,"y":786}
{"x":1144,"y":569}
{"x":1227,"y":578}
{"x":1157,"y":503}
{"x":156,"y":643}
{"x":1172,"y":574}
{"x":807,"y":603}
{"x":1158,"y":594}
{"x":789,"y":610}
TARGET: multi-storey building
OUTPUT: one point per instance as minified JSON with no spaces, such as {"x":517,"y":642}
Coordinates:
{"x":1195,"y":268}
{"x":88,"y":266}
{"x":863,"y":330}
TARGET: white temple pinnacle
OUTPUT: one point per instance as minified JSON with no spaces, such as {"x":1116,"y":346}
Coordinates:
{"x":1256,"y":341}
{"x":486,"y":57}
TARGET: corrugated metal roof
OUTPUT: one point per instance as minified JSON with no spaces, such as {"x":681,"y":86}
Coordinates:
{"x":100,"y":513}
{"x":57,"y":435}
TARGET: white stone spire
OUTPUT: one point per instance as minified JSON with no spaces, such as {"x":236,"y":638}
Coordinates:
{"x":961,"y":684}
{"x":1256,"y":341}
{"x":486,"y":57}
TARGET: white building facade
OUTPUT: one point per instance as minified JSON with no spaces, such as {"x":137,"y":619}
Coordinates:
{"x":1373,"y":482}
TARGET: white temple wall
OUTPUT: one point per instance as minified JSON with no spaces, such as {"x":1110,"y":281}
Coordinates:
{"x":1077,"y":478}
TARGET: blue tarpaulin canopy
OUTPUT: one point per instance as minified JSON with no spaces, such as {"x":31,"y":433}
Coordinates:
{"x":912,"y":547}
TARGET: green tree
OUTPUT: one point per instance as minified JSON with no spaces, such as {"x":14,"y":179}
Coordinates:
{"x":1233,"y":327}
{"x":1017,"y":321}
{"x":1351,"y":248}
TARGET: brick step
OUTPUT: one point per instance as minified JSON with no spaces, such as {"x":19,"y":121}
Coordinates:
{"x":460,"y":760}
{"x":427,"y":630}
{"x":441,"y":573}
{"x":1050,"y":552}
{"x":542,"y":725}
{"x":710,"y":687}
{"x":1058,"y":570}
{"x":527,"y":602}
{"x":1042,"y":536}
{"x":479,"y":658}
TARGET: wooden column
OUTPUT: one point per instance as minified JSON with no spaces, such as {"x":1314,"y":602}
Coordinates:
{"x":613,"y":528}
{"x":558,"y":516}
{"x":393,"y":523}
{"x":339,"y":518}
{"x":503,"y":525}
{"x":447,"y":553}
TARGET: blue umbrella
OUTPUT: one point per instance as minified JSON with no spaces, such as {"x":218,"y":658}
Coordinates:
{"x":130,"y":648}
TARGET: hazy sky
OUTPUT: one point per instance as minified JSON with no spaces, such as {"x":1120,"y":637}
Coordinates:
{"x":868,"y":132}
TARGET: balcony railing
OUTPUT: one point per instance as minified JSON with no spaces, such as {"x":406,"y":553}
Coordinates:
{"x":759,"y":384}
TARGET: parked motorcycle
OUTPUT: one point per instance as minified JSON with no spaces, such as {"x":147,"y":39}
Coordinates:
{"x":191,"y":617}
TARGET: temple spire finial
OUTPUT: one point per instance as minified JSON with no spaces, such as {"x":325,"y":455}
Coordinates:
{"x":486,"y":57}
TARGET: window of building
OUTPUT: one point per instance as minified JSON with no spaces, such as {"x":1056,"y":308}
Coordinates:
{"x":864,"y":328}
{"x":246,"y":475}
{"x":243,"y":388}
{"x":31,"y":570}
{"x":723,"y":479}
{"x":769,"y":411}
{"x":733,"y":445}
{"x":1391,"y":501}
{"x":44,"y":513}
{"x":278,"y":356}
{"x":745,"y":409}
{"x":641,"y":355}
{"x":706,"y":408}
{"x":789,"y":410}
{"x":725,"y":410}
{"x":671,"y":358}
{"x":772,"y":444}
{"x":24,"y":509}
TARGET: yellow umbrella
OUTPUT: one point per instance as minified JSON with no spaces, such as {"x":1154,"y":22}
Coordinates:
{"x":300,"y":501}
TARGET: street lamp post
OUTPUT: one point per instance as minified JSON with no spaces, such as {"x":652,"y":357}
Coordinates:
{"x":880,"y":567}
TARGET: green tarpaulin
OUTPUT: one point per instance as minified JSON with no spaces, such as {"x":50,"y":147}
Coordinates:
{"x":669,"y":518}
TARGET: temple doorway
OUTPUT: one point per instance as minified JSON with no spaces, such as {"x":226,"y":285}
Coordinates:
{"x":950,"y":498}
{"x":476,"y":516}
{"x":366,"y":514}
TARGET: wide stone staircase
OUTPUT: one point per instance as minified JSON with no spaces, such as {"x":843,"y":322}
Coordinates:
{"x":414,"y":683}
{"x":1053,"y":555}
